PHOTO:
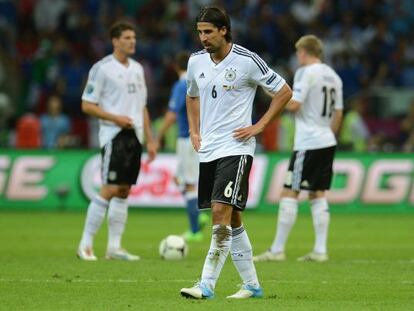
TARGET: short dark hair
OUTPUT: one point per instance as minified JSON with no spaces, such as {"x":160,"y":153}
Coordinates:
{"x":118,"y":27}
{"x":181,"y":60}
{"x":217,"y":17}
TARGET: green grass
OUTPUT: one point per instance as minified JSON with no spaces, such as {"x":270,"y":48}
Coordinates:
{"x":371,"y":266}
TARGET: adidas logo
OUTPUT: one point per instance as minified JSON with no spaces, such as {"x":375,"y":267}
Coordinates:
{"x":201,"y":76}
{"x":305,"y":183}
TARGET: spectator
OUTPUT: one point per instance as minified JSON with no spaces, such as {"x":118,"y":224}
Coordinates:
{"x":407,"y":129}
{"x":55,"y":125}
{"x":355,"y":133}
{"x":28,"y":134}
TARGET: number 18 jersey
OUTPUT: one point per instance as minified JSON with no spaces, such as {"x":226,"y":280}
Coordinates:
{"x":226,"y":91}
{"x":319,"y":90}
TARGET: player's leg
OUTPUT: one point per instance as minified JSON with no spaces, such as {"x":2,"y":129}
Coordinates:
{"x":97,"y":209}
{"x":216,"y":257}
{"x":288,"y":209}
{"x":186,"y":178}
{"x":204,"y":289}
{"x":242,"y":256}
{"x":191,"y":200}
{"x":123,"y":172}
{"x":94,"y":218}
{"x":321,"y":219}
{"x":321,"y":161}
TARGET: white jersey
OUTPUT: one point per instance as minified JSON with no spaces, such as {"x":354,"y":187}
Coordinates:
{"x":226,"y":92}
{"x":117,"y":89}
{"x":319,"y":90}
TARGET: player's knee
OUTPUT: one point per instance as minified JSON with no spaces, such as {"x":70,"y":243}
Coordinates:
{"x":221,"y":216}
{"x":122,"y":191}
{"x":236,"y":220}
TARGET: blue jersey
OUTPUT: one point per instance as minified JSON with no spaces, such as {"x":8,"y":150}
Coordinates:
{"x":177,"y":105}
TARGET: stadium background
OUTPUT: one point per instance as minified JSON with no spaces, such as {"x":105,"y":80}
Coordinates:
{"x":47,"y":48}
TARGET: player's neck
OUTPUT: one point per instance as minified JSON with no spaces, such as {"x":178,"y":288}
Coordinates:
{"x":121,"y":57}
{"x":312,"y":60}
{"x":221,"y":53}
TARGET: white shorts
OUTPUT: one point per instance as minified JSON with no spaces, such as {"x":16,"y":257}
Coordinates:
{"x":187,"y":163}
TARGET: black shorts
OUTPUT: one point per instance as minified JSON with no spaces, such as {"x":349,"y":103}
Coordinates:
{"x":310,"y":169}
{"x":121,"y":159}
{"x":225,"y":180}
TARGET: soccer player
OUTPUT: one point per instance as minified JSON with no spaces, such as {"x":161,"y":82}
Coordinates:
{"x":317,"y":103}
{"x":187,"y":168}
{"x":116,"y":94}
{"x":221,"y":84}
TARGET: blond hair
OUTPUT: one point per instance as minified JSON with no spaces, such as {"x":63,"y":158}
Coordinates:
{"x":311,"y":44}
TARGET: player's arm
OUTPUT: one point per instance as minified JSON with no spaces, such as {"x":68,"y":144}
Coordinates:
{"x":168,"y":120}
{"x":293,"y":106}
{"x":151,"y":145}
{"x":336,"y":121}
{"x":279,"y":101}
{"x":95,"y":110}
{"x":193,"y":114}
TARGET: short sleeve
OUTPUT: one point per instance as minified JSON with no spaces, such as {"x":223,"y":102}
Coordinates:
{"x":301,"y":85}
{"x":263,"y":76}
{"x":192,"y":87}
{"x":94,"y":86}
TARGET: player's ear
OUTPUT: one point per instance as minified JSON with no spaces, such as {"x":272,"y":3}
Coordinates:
{"x":114,"y":42}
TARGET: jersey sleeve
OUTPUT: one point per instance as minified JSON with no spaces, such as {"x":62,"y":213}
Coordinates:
{"x":94,"y":86}
{"x":301,"y":85}
{"x":192,"y":88}
{"x":263,"y":76}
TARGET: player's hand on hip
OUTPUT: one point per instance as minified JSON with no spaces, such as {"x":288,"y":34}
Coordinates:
{"x":124,"y":122}
{"x":196,"y":141}
{"x":246,"y":132}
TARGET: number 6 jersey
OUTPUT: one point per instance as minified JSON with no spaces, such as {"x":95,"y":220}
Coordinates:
{"x":319,"y":91}
{"x":226,"y":92}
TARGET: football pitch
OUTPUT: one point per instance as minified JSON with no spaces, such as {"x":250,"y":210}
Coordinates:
{"x":371,"y":266}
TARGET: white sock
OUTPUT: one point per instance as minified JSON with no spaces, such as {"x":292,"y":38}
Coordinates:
{"x":242,"y":256}
{"x":117,"y":217}
{"x":217,"y":254}
{"x":320,"y":215}
{"x":288,"y":210}
{"x":94,"y":218}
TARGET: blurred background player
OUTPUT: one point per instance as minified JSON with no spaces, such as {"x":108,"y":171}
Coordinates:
{"x":222,"y":80}
{"x":187,"y":168}
{"x":116,"y":94}
{"x":317,"y":102}
{"x":55,"y":124}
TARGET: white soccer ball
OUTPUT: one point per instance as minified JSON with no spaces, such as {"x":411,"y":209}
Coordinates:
{"x":173,"y":247}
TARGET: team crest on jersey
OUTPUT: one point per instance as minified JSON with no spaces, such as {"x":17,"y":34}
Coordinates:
{"x":89,"y":89}
{"x":230,"y":74}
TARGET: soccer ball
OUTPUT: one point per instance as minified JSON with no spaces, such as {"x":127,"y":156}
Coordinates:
{"x":173,"y":247}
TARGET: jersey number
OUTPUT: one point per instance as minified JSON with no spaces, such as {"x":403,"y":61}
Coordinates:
{"x":228,"y":191}
{"x":214,"y":92}
{"x":328,"y":96}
